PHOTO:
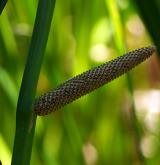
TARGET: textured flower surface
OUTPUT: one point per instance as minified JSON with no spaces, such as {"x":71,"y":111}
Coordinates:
{"x":90,"y":80}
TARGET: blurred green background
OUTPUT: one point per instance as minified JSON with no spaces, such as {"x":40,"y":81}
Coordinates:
{"x":117,"y":124}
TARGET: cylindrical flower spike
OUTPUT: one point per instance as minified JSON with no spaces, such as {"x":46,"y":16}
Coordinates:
{"x":88,"y":81}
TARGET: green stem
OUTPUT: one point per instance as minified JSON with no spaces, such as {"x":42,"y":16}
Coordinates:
{"x":2,"y":5}
{"x":25,"y":117}
{"x":134,"y":124}
{"x":150,"y":14}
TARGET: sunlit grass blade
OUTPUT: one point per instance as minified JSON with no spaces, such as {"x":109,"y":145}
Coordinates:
{"x":8,"y":86}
